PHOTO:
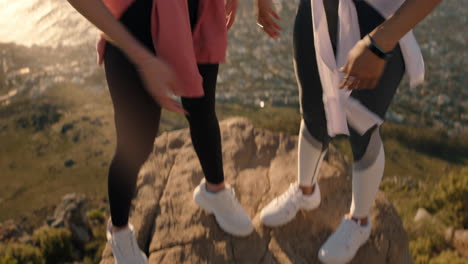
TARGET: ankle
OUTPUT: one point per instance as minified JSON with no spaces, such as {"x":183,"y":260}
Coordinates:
{"x":307,"y":190}
{"x":362,"y":221}
{"x":115,"y":229}
{"x":214,"y":188}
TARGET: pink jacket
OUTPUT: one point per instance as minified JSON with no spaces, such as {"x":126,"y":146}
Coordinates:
{"x":174,"y":41}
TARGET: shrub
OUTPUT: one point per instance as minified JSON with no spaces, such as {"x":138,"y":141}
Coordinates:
{"x":54,"y":243}
{"x":448,"y":256}
{"x":429,"y":241}
{"x":449,"y":199}
{"x":20,"y":254}
{"x":96,"y":215}
{"x":421,"y":250}
{"x":94,"y":248}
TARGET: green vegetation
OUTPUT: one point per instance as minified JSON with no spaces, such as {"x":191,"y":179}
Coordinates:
{"x":54,"y":243}
{"x":446,"y":202}
{"x":94,"y":248}
{"x":96,"y":216}
{"x":450,"y":198}
{"x":425,"y":168}
{"x":53,"y":145}
{"x":20,"y":254}
{"x":445,"y":257}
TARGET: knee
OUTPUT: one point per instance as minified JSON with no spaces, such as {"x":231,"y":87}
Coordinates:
{"x":313,"y":131}
{"x":366,"y":147}
{"x":198,"y":109}
{"x":131,"y":157}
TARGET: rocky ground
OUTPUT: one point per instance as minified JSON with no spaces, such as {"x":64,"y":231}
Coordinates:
{"x":260,"y":165}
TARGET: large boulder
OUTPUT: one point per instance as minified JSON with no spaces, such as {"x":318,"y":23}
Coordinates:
{"x":260,"y":165}
{"x":11,"y":232}
{"x":71,"y":214}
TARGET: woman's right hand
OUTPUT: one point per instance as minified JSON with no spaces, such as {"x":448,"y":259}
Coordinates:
{"x":160,"y":80}
{"x":266,"y":16}
{"x":158,"y":77}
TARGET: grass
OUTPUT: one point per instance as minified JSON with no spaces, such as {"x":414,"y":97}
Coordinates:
{"x":39,"y":137}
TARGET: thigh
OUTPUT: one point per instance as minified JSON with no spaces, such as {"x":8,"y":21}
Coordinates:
{"x":205,"y":104}
{"x":308,"y":79}
{"x":378,"y":99}
{"x":136,"y":114}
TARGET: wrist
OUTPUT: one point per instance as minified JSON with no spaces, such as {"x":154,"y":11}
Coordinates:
{"x":382,"y":40}
{"x":376,"y":49}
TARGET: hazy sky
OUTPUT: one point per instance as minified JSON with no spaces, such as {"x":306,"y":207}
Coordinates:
{"x":45,"y":22}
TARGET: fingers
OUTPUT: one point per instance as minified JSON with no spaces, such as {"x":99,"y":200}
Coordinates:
{"x":231,"y":11}
{"x":231,"y":18}
{"x":354,"y":83}
{"x":170,"y":104}
{"x":228,"y":6}
{"x":275,"y":15}
{"x":366,"y":84}
{"x":269,"y":25}
{"x":174,"y":107}
{"x":345,"y":69}
{"x":345,"y":82}
{"x":267,"y":19}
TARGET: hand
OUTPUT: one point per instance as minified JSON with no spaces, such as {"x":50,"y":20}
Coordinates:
{"x":363,"y":68}
{"x":266,"y":16}
{"x":231,"y":11}
{"x":160,"y":80}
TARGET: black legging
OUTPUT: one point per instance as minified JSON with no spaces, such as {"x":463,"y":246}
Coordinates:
{"x":137,"y":115}
{"x":377,"y":100}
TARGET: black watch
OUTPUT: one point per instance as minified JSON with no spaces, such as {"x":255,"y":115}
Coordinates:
{"x":372,"y":46}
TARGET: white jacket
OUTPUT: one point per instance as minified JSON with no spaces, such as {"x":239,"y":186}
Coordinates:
{"x":340,"y":108}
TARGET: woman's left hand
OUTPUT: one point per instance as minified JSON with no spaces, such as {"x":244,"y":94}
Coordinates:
{"x":363,"y":68}
{"x":231,"y":11}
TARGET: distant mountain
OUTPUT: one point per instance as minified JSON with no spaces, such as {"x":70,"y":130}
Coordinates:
{"x":259,"y":70}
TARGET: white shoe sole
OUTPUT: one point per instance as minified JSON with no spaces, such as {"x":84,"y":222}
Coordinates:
{"x":222,"y":224}
{"x":285,"y":223}
{"x":341,"y":262}
{"x":334,"y":262}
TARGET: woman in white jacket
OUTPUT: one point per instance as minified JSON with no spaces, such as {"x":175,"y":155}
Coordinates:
{"x":349,"y":58}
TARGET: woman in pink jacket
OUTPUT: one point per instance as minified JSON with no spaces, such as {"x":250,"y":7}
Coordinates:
{"x":153,"y":50}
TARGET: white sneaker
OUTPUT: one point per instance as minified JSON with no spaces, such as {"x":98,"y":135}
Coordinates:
{"x":124,"y":246}
{"x":227,"y":210}
{"x":285,"y":207}
{"x":341,"y":246}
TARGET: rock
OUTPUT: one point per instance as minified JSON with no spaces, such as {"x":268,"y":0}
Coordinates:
{"x":448,"y":234}
{"x":12,"y":232}
{"x":460,"y":242}
{"x":260,"y":165}
{"x":71,"y":214}
{"x":421,"y":215}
